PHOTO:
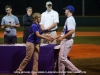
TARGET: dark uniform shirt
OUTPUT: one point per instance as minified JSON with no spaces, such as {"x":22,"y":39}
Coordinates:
{"x":33,"y":38}
{"x":27,"y":22}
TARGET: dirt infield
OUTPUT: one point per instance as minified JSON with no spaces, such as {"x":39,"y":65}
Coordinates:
{"x":79,"y":50}
{"x":85,"y":51}
{"x":20,"y":34}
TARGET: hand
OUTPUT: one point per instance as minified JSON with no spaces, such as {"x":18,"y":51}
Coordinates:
{"x":47,"y":29}
{"x":50,"y":39}
{"x":60,"y":39}
{"x":55,"y":37}
{"x":12,"y":25}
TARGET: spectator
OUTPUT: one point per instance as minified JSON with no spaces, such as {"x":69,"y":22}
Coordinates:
{"x":27,"y":22}
{"x":49,"y":21}
{"x":10,"y":22}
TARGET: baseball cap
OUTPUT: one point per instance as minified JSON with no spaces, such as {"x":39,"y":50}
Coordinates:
{"x":70,"y":8}
{"x":49,"y":3}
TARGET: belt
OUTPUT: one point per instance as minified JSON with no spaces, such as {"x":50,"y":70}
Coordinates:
{"x":46,"y":31}
{"x":68,"y":38}
{"x":53,"y":30}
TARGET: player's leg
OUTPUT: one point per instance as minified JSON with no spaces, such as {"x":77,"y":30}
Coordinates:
{"x":53,"y":34}
{"x":63,"y":55}
{"x":61,"y":66}
{"x":29,"y":53}
{"x":35,"y":59}
{"x":6,"y":39}
{"x":14,"y":39}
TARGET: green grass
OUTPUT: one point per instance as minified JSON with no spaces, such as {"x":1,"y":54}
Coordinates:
{"x":88,"y":29}
{"x":81,"y":29}
{"x":87,"y":40}
{"x":19,"y":40}
{"x":1,"y":40}
{"x":90,"y":65}
{"x":84,"y":29}
{"x":77,"y":40}
{"x":20,"y":29}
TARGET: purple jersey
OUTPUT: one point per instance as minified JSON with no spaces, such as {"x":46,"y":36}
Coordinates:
{"x":33,"y":38}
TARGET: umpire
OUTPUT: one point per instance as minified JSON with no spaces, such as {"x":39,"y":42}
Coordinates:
{"x":27,"y":22}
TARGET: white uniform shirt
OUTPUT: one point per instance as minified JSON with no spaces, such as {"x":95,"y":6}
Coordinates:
{"x":70,"y":24}
{"x":48,"y":18}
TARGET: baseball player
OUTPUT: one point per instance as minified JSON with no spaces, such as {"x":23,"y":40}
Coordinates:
{"x":32,"y":45}
{"x":66,"y":43}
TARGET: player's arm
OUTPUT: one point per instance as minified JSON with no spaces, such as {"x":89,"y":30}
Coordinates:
{"x":43,"y":37}
{"x":71,"y":30}
{"x":56,"y":37}
{"x":70,"y":27}
{"x":69,"y":33}
{"x":66,"y":35}
{"x":35,"y":30}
